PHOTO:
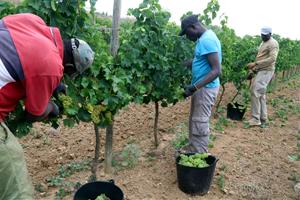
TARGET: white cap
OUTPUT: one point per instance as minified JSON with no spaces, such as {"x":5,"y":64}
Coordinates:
{"x":266,"y":30}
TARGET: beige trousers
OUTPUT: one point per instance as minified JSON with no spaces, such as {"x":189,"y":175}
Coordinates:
{"x":258,"y":95}
{"x":15,"y":183}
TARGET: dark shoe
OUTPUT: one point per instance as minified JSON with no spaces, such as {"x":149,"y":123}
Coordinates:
{"x":264,"y":121}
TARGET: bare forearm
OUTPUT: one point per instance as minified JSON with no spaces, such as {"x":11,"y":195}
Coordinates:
{"x":215,"y":65}
{"x":212,"y":75}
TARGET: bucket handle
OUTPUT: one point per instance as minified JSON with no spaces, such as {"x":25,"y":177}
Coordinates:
{"x":217,"y":159}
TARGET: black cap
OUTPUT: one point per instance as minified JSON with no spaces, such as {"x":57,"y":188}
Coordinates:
{"x":186,"y":22}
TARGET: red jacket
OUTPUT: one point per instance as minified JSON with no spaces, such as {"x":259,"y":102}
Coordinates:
{"x":31,"y":57}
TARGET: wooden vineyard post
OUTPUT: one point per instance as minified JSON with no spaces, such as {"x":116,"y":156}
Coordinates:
{"x":97,"y":153}
{"x":115,"y":28}
{"x":113,"y":50}
{"x":220,"y":100}
{"x":108,"y":149}
{"x":156,"y":124}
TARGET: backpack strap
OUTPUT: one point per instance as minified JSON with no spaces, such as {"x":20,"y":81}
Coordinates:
{"x":53,"y":36}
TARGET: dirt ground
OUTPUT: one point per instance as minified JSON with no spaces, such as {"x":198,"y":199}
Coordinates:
{"x":254,"y":163}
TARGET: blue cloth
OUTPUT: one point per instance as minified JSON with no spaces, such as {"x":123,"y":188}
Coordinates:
{"x":206,"y":44}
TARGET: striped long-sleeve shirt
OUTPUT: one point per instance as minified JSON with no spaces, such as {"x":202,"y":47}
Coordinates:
{"x":31,"y":56}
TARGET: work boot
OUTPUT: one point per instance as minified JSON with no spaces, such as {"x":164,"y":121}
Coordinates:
{"x":254,"y":122}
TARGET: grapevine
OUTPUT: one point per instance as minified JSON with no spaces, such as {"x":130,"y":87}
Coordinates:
{"x":148,"y":65}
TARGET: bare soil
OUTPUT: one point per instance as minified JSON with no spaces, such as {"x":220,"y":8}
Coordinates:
{"x":254,"y":161}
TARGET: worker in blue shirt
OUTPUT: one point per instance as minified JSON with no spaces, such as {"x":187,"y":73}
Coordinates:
{"x":204,"y":87}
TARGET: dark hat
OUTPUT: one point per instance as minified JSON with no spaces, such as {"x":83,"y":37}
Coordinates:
{"x":186,"y":22}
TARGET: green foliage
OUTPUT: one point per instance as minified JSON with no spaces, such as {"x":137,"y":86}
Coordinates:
{"x":295,"y":157}
{"x":101,"y":91}
{"x":282,"y":114}
{"x":221,"y":123}
{"x":17,"y":123}
{"x":210,"y":12}
{"x":181,"y":137}
{"x":246,"y":125}
{"x":288,"y":55}
{"x":189,"y":13}
{"x":127,"y":158}
{"x":67,"y":171}
{"x":55,"y":181}
{"x":294,"y":176}
{"x":284,"y":106}
{"x":221,"y":181}
{"x":7,"y":8}
{"x":298,"y":135}
{"x":236,"y":53}
{"x":66,"y":189}
{"x":148,"y":65}
{"x":102,"y":197}
{"x":195,"y":160}
{"x":212,"y":138}
{"x":69,"y":16}
{"x":39,"y":188}
{"x":221,"y":178}
{"x":153,"y":51}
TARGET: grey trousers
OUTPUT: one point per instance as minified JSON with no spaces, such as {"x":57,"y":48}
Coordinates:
{"x":258,"y":95}
{"x":201,"y":105}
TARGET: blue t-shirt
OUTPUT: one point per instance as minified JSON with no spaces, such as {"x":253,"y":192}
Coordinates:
{"x":206,"y":44}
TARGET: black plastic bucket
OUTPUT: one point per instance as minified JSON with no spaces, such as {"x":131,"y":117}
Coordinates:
{"x":91,"y":191}
{"x":234,"y":112}
{"x":193,"y":180}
